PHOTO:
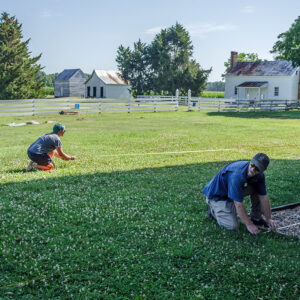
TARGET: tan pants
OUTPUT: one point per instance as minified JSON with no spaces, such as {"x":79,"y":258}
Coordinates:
{"x":225,"y":213}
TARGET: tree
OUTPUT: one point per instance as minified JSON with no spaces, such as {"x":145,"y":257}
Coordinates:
{"x":241,"y":57}
{"x":288,"y":45}
{"x":216,"y":86}
{"x":48,"y":79}
{"x":18,"y":71}
{"x":134,"y":66}
{"x":164,"y":65}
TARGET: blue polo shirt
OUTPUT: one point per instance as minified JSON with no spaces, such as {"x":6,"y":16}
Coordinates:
{"x":229,"y":183}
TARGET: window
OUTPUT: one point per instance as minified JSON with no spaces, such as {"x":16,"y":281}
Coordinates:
{"x":276,"y":91}
{"x":235,"y":90}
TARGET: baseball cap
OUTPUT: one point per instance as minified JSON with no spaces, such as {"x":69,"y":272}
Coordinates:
{"x":58,"y":127}
{"x":261,"y":161}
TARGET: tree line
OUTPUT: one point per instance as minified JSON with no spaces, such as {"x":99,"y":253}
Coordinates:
{"x":160,"y":67}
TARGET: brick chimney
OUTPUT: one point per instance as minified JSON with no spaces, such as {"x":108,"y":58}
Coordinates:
{"x":233,"y":58}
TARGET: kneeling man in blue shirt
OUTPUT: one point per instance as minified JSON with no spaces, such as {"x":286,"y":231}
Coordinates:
{"x":225,"y":192}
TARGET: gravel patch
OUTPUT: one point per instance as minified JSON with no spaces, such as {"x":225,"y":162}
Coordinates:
{"x":288,"y":221}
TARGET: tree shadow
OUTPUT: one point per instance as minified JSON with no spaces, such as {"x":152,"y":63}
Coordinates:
{"x":293,"y":114}
{"x":103,"y":231}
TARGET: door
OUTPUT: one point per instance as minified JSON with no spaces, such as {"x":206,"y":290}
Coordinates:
{"x":88,"y":91}
{"x":101,"y":92}
{"x":94,"y":91}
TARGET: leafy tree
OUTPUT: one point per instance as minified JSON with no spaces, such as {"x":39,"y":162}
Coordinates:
{"x":288,"y":45}
{"x":18,"y":71}
{"x":241,"y":57}
{"x":134,"y":66}
{"x":48,"y":79}
{"x":164,"y":65}
{"x":216,"y":86}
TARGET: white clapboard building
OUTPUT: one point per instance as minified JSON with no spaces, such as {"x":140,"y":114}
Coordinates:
{"x":270,"y":80}
{"x":70,"y":83}
{"x":107,"y":84}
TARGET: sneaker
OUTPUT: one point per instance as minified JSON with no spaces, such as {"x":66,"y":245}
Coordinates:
{"x":209,"y":214}
{"x":260,"y":223}
{"x":32,"y":165}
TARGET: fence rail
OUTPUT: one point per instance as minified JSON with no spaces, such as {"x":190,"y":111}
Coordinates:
{"x":141,"y":104}
{"x":52,"y":106}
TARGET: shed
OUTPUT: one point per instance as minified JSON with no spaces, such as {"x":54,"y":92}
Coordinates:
{"x":107,"y":84}
{"x":70,"y":83}
{"x":270,"y":80}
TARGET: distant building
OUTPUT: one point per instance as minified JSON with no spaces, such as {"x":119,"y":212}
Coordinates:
{"x":107,"y":84}
{"x":70,"y":83}
{"x":260,"y":80}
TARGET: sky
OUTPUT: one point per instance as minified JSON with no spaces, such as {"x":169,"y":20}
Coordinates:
{"x":86,"y":34}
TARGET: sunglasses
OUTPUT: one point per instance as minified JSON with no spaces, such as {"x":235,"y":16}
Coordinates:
{"x":255,"y":167}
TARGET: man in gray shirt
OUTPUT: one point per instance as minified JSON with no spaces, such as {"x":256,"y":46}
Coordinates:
{"x":42,"y":150}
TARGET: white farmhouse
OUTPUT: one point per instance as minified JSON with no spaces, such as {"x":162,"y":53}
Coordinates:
{"x":271,"y":80}
{"x":107,"y":84}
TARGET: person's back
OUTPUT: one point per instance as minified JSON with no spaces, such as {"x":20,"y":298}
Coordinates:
{"x":45,"y":144}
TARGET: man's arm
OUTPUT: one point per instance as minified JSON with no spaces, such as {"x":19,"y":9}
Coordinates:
{"x":60,"y":154}
{"x":266,"y":210}
{"x":242,"y":213}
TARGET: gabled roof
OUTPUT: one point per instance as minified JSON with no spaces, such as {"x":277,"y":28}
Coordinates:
{"x":111,"y":77}
{"x":262,"y":68}
{"x":66,"y":74}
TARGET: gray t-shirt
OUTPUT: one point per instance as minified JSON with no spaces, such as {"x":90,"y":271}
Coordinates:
{"x":45,"y":144}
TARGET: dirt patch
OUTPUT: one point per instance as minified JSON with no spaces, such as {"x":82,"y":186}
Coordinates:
{"x":288,"y":221}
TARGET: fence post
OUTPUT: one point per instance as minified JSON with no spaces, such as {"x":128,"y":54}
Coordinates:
{"x":33,"y":106}
{"x":129,"y":104}
{"x":219,"y":104}
{"x":154,"y":105}
{"x":176,"y":105}
{"x":68,"y":104}
{"x":271,"y":105}
{"x":100,"y":106}
{"x":189,"y":100}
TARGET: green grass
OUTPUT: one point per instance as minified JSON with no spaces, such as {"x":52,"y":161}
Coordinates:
{"x":209,"y":94}
{"x":126,"y":220}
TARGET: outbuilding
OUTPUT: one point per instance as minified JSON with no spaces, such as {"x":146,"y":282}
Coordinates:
{"x":259,"y":80}
{"x":107,"y":84}
{"x":70,"y":83}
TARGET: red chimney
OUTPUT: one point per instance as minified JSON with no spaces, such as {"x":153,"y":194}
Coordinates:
{"x":233,"y":59}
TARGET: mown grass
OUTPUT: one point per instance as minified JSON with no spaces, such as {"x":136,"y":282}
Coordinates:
{"x":126,"y":220}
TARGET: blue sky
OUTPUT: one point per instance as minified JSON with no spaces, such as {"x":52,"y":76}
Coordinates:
{"x":86,"y":34}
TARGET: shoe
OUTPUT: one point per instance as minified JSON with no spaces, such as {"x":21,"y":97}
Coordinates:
{"x":260,"y":223}
{"x":209,"y":214}
{"x":32,"y":165}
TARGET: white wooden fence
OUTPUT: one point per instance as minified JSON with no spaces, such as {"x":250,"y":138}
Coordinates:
{"x":222,"y":104}
{"x":52,"y":106}
{"x":141,"y":104}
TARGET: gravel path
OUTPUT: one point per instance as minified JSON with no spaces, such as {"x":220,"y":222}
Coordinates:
{"x":288,"y":221}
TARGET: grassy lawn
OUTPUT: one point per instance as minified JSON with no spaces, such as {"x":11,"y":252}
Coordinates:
{"x":127,"y":219}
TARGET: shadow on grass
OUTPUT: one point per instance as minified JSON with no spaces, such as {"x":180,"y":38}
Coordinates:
{"x":294,"y":114}
{"x":133,"y":233}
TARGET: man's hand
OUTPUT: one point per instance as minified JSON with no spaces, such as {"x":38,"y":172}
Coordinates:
{"x":252,"y":229}
{"x":272,"y":224}
{"x":73,"y":157}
